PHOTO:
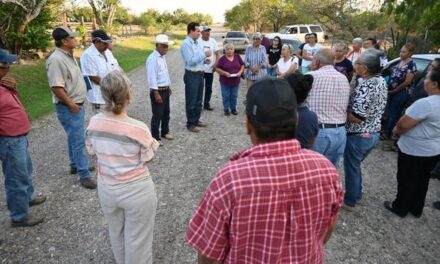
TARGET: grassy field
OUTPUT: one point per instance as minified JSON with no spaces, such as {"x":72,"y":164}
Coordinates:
{"x":34,"y":92}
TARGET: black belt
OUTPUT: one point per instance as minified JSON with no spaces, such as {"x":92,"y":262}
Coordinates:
{"x":330,"y":125}
{"x":163,"y":88}
{"x":79,"y":104}
{"x":198,"y":73}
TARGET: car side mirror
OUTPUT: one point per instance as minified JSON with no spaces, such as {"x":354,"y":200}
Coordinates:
{"x":223,"y":36}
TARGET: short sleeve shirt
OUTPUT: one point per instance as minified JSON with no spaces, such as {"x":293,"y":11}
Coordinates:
{"x":399,"y":73}
{"x":255,"y":57}
{"x":232,"y":67}
{"x":311,"y":51}
{"x":344,"y":67}
{"x":274,"y":54}
{"x":211,"y":45}
{"x":63,"y":71}
{"x":307,"y":128}
{"x":424,"y":139}
{"x":284,"y":66}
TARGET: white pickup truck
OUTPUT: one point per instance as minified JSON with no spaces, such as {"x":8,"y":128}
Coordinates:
{"x":299,"y":32}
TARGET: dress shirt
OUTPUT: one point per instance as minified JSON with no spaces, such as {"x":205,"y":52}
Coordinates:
{"x":157,"y":71}
{"x":329,"y":95}
{"x":192,"y":54}
{"x":255,"y":57}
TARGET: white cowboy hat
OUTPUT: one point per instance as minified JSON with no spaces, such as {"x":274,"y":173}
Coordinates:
{"x":162,"y":39}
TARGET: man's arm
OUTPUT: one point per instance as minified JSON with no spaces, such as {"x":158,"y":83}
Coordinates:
{"x":188,"y":56}
{"x":329,"y":232}
{"x":62,"y":97}
{"x":201,"y":259}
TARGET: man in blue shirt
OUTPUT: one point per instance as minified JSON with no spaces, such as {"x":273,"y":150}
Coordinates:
{"x":194,"y":58}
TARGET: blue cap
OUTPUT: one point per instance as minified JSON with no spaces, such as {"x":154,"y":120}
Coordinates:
{"x":6,"y":58}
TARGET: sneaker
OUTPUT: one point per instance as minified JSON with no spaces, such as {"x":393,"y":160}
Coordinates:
{"x":28,"y":221}
{"x":227,"y":113}
{"x":201,"y":124}
{"x":160,"y":143}
{"x":88,"y":183}
{"x":74,"y":170}
{"x":39,"y":199}
{"x":194,"y":129}
{"x":168,"y":136}
{"x":234,"y":112}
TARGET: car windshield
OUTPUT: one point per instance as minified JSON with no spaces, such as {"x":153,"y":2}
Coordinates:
{"x":236,"y":35}
{"x":315,"y":29}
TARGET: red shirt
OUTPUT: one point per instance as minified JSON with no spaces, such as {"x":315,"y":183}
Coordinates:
{"x":14,"y":120}
{"x":272,"y":203}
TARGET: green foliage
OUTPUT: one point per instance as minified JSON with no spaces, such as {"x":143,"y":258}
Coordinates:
{"x":84,"y":11}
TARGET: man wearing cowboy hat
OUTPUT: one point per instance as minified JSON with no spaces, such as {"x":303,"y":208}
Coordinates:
{"x":14,"y":152}
{"x":159,"y":83}
{"x":95,"y":64}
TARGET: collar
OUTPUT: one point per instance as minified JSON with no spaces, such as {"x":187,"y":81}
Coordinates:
{"x":157,"y":53}
{"x":70,"y":54}
{"x":267,"y":149}
{"x":192,"y":41}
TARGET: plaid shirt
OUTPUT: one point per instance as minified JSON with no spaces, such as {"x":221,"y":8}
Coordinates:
{"x":329,"y":95}
{"x":272,"y":203}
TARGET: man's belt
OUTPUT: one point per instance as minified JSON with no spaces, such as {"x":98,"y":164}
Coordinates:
{"x":198,"y":73}
{"x":163,"y":88}
{"x":330,"y":125}
{"x":79,"y":104}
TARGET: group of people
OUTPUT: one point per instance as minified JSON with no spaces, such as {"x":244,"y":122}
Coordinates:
{"x":280,"y":194}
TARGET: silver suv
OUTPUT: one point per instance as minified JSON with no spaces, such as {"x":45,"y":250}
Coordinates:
{"x":239,"y":38}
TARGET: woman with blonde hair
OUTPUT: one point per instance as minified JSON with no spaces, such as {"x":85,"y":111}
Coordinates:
{"x":127,"y":194}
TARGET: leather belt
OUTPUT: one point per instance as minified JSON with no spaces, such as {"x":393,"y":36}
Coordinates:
{"x":198,"y":73}
{"x":163,"y":88}
{"x":330,"y":125}
{"x":79,"y":104}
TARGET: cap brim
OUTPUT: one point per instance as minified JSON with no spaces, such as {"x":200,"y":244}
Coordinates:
{"x":74,"y":34}
{"x":8,"y":59}
{"x":166,"y":43}
{"x":107,"y":41}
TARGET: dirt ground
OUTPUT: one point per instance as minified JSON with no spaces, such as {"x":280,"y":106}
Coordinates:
{"x":75,"y":231}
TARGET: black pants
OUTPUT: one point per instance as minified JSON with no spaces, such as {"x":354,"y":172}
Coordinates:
{"x":161,"y":115}
{"x":208,"y":87}
{"x":413,"y":175}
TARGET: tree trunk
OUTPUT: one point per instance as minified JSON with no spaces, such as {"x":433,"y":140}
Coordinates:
{"x":97,"y":13}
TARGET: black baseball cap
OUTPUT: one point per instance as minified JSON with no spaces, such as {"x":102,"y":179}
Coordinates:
{"x":270,"y":102}
{"x":62,"y":33}
{"x":101,"y":36}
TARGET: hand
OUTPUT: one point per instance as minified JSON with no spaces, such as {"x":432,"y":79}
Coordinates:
{"x":170,"y":91}
{"x":208,"y":53}
{"x":74,"y":108}
{"x":227,"y":74}
{"x":392,"y":92}
{"x":158,"y":98}
{"x":9,"y":83}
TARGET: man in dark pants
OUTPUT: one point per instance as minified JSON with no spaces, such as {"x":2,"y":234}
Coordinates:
{"x":160,"y":91}
{"x":209,"y":69}
{"x":194,"y":58}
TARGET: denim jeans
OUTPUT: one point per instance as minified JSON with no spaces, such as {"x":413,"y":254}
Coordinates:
{"x":73,"y":124}
{"x":330,"y":142}
{"x":272,"y":72}
{"x":209,"y":76}
{"x":229,"y":96}
{"x":356,"y":150}
{"x":395,"y":107}
{"x":161,"y":114}
{"x":17,"y":169}
{"x":193,"y":97}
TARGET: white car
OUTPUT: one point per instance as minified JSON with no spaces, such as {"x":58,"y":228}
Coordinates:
{"x":299,"y":32}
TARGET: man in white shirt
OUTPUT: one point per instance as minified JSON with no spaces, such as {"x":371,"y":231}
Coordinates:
{"x":159,"y":83}
{"x":209,"y":67}
{"x":96,"y":61}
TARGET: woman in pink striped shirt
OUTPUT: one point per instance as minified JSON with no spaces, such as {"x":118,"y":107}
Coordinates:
{"x":126,"y":191}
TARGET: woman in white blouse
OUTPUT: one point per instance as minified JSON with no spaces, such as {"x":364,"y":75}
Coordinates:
{"x":287,"y":63}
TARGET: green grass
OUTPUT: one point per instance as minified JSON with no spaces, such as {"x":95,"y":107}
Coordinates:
{"x":33,"y":88}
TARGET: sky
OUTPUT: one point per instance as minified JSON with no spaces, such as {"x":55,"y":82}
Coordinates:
{"x":214,"y":8}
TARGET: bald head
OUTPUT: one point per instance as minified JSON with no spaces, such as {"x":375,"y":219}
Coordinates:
{"x":325,"y":57}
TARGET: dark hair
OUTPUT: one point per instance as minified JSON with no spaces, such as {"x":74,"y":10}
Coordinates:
{"x":314,"y":34}
{"x":280,"y":42}
{"x":58,"y":43}
{"x":434,"y":75}
{"x":301,"y":85}
{"x":374,"y":42}
{"x":410,"y":47}
{"x":192,"y":27}
{"x":437,"y":60}
{"x":283,"y":130}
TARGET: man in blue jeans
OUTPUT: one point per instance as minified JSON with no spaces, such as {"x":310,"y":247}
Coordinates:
{"x":194,"y":58}
{"x":14,"y":152}
{"x":69,"y":93}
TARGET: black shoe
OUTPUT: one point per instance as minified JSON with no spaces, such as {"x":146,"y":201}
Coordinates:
{"x":208,"y":107}
{"x":227,"y":113}
{"x":234,"y":112}
{"x":389,"y":206}
{"x":74,"y":170}
{"x":436,"y":205}
{"x":39,"y":199}
{"x":88,"y":183}
{"x":28,"y":221}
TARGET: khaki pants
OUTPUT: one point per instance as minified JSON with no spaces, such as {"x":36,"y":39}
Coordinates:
{"x":130,"y":212}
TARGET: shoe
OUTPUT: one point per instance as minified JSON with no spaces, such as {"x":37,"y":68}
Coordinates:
{"x":39,"y":199}
{"x":88,"y":183}
{"x":194,"y":129}
{"x":28,"y":221}
{"x":436,"y":205}
{"x":201,"y":124}
{"x":227,"y":113}
{"x":168,"y":136}
{"x":209,"y":108}
{"x":74,"y":170}
{"x":348,"y":208}
{"x":160,"y":143}
{"x":389,"y":206}
{"x":234,"y":112}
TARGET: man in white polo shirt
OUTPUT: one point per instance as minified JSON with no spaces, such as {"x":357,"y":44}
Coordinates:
{"x":159,"y":83}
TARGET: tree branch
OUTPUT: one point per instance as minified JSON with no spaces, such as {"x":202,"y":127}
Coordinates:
{"x":17,"y":3}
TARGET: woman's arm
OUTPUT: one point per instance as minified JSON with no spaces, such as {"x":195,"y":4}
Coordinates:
{"x":222,"y":72}
{"x":408,"y":80}
{"x":405,"y":123}
{"x":353,"y":119}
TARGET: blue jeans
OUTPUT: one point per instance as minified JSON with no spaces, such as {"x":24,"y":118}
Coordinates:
{"x":395,"y":107}
{"x":272,"y":72}
{"x":17,"y":169}
{"x":73,"y":124}
{"x":193,"y":97}
{"x":356,"y":150}
{"x":209,"y":76}
{"x":229,"y":96}
{"x":330,"y":142}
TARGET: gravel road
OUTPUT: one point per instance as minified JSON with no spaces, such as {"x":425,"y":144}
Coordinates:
{"x":75,"y":231}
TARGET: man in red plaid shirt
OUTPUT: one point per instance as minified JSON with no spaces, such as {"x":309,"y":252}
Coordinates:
{"x":271,"y":203}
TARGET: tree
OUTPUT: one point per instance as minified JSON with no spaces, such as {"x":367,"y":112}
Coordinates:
{"x":105,"y":11}
{"x":239,"y":17}
{"x":146,"y":21}
{"x":280,"y":13}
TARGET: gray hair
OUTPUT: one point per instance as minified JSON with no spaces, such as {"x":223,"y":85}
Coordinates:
{"x":229,"y":44}
{"x":115,"y":90}
{"x":371,"y":60}
{"x":342,"y":45}
{"x":325,"y":56}
{"x":257,"y":35}
{"x":357,"y":40}
{"x":287,"y":46}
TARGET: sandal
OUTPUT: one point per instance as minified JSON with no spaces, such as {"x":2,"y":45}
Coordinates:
{"x":390,"y":147}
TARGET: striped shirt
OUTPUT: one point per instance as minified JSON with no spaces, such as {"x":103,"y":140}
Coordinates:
{"x":271,"y":203}
{"x":255,"y":57}
{"x":329,"y":95}
{"x":123,"y":146}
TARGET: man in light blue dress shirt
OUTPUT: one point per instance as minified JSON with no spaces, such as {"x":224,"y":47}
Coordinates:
{"x":194,"y":58}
